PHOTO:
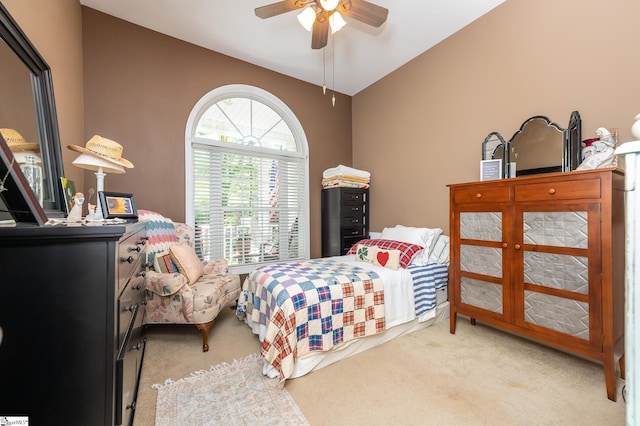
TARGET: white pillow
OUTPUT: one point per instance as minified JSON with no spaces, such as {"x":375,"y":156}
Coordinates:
{"x":440,"y":252}
{"x":425,"y":237}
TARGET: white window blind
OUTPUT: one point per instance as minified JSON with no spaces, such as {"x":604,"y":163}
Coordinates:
{"x":247,"y":208}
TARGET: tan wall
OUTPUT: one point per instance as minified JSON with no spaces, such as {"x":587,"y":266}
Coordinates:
{"x":422,"y":127}
{"x":140,"y":87}
{"x":55,"y":29}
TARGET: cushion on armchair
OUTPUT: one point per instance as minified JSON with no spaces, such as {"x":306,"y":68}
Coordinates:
{"x":164,"y":284}
{"x":187,"y":261}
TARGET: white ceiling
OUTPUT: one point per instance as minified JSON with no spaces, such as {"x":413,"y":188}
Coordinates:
{"x":363,"y":54}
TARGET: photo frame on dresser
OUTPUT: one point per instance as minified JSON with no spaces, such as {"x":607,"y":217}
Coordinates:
{"x":17,"y":196}
{"x":491,"y":169}
{"x":117,"y":205}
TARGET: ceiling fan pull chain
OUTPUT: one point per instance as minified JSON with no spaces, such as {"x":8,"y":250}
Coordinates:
{"x":324,"y":71}
{"x":333,"y":64}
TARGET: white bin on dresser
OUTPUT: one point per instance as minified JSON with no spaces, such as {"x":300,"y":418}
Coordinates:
{"x":631,"y":152}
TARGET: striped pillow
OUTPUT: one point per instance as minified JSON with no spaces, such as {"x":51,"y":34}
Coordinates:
{"x":162,"y":263}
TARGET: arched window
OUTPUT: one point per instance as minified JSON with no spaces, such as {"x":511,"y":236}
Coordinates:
{"x":247,"y":178}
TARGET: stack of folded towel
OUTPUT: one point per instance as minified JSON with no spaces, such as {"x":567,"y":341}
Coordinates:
{"x":345,"y":176}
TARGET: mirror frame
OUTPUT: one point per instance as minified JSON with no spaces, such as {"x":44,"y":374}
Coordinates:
{"x":502,"y":147}
{"x":45,"y":111}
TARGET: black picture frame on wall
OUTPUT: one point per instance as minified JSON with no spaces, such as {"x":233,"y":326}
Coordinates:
{"x":18,"y":197}
{"x":117,"y":205}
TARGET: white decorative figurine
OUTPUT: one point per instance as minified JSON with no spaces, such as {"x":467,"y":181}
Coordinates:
{"x":75,"y":215}
{"x":603,"y":155}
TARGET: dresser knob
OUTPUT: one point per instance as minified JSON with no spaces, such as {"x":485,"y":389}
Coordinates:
{"x":137,"y":287}
{"x":478,"y":195}
{"x":552,"y":191}
{"x":517,"y":246}
{"x":137,"y":249}
{"x":141,"y":274}
{"x":129,"y":259}
{"x":504,"y":245}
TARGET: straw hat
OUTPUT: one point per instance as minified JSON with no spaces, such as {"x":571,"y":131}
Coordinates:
{"x":17,"y":143}
{"x":105,"y":149}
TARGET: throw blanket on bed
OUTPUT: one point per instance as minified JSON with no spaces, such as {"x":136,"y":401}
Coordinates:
{"x":313,"y":305}
{"x":426,"y":280}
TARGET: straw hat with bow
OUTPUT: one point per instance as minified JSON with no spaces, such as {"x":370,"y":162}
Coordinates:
{"x":17,"y":143}
{"x":105,"y":149}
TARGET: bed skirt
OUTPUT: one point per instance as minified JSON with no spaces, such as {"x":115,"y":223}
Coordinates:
{"x":320,"y":360}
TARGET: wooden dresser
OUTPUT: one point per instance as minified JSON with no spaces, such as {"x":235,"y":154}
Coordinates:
{"x":543,"y":256}
{"x":71,"y":350}
{"x":345,"y":219}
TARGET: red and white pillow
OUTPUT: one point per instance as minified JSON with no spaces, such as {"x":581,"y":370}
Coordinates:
{"x":379,"y":257}
{"x":406,"y":251}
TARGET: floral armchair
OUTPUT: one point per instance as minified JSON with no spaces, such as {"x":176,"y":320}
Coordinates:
{"x":180,"y":288}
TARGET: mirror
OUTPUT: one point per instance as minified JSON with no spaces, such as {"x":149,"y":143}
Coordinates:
{"x":28,"y":107}
{"x":494,"y":147}
{"x":539,"y":146}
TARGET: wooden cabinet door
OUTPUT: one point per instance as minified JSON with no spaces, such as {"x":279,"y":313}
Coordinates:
{"x":481,"y":261}
{"x":557,"y":272}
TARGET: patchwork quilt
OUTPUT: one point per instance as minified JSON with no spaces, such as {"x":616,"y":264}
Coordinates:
{"x":312,"y":305}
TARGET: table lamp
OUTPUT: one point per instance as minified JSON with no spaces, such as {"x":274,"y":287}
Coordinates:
{"x":103,"y":156}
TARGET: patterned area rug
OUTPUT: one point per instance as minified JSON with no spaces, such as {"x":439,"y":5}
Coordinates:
{"x":230,"y":394}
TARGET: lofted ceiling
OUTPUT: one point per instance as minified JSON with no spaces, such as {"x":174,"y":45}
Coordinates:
{"x":355,"y":57}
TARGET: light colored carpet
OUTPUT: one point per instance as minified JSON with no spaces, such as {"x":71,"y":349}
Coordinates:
{"x":478,"y":376}
{"x":221,"y":394}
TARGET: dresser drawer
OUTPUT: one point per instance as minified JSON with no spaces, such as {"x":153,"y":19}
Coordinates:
{"x":130,"y":252}
{"x":353,"y":196}
{"x":348,"y":221}
{"x":352,"y":209}
{"x":128,"y":366}
{"x":566,"y":190}
{"x":128,"y":303}
{"x":483,"y":195}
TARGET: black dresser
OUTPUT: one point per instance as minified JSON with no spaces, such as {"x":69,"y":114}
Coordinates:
{"x":345,"y":219}
{"x":71,"y":349}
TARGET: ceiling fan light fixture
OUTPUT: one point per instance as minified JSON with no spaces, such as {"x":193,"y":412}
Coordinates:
{"x":306,"y":18}
{"x":336,"y":21}
{"x":329,"y":5}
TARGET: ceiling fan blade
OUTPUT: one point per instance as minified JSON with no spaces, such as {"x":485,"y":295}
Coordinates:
{"x":364,"y":11}
{"x":320,"y":31}
{"x":278,"y":8}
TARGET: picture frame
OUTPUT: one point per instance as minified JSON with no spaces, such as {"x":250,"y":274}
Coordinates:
{"x":69,"y":190}
{"x":490,"y":169}
{"x":117,"y":205}
{"x":18,"y":197}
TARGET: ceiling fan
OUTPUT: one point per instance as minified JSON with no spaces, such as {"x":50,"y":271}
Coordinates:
{"x":360,"y":10}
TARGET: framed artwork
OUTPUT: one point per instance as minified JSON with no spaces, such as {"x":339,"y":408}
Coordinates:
{"x":117,"y":204}
{"x":490,"y":169}
{"x":69,"y":190}
{"x":19,"y":199}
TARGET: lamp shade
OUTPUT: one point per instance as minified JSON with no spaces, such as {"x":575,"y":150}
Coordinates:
{"x":336,"y":21}
{"x":90,"y":162}
{"x":306,"y":18}
{"x":329,"y":4}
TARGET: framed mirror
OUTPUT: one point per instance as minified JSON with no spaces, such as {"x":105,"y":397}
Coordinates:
{"x":28,"y":107}
{"x":542,"y":146}
{"x":494,"y":147}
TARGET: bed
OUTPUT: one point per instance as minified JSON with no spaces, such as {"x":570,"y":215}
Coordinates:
{"x":309,"y":314}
